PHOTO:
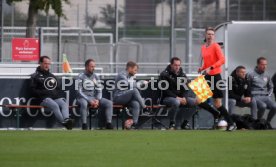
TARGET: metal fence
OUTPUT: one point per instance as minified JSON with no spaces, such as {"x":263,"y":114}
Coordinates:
{"x":146,"y":31}
{"x":82,"y":43}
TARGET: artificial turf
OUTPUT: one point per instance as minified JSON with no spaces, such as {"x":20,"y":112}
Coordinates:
{"x":137,"y":148}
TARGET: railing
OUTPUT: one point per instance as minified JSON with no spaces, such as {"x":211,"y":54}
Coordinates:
{"x":27,"y":75}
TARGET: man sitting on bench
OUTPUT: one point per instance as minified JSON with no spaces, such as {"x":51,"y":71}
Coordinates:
{"x":176,"y":96}
{"x":127,"y":93}
{"x":44,"y":86}
{"x":240,"y":92}
{"x":262,"y":89}
{"x":90,"y":94}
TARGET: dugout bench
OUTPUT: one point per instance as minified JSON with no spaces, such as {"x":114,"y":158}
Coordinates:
{"x":117,"y":110}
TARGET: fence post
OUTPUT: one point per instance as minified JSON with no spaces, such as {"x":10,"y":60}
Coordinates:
{"x":59,"y":46}
{"x":2,"y":26}
{"x":116,"y":34}
{"x":189,"y":35}
{"x":40,"y":36}
{"x":172,"y":37}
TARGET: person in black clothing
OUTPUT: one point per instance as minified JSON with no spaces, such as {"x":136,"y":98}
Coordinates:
{"x":44,"y":86}
{"x":176,"y":96}
{"x":240,"y":92}
{"x":274,"y":83}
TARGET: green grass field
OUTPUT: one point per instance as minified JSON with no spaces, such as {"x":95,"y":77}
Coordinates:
{"x":137,"y":148}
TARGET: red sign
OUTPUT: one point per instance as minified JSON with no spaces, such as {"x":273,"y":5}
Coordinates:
{"x":25,"y":49}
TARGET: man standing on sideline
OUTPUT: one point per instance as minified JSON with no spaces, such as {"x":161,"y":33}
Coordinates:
{"x":90,"y":95}
{"x":262,"y":89}
{"x":213,"y":60}
{"x":176,"y":96}
{"x":240,"y":92}
{"x":126,"y":92}
{"x":45,"y":87}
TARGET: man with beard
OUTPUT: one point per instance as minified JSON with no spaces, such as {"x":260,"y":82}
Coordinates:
{"x":176,"y":96}
{"x":126,"y":92}
{"x":262,"y":89}
{"x":240,"y":92}
{"x":90,"y":95}
{"x":45,"y":87}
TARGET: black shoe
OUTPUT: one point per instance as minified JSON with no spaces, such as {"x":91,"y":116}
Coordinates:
{"x":216,"y":121}
{"x":269,"y":127}
{"x":147,"y":111}
{"x":134,"y":126}
{"x":84,"y":127}
{"x":172,"y":126}
{"x":185,"y":125}
{"x":109,"y":126}
{"x":231,"y":127}
{"x":68,"y":123}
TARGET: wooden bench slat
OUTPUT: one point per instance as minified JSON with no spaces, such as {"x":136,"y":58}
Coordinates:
{"x":74,"y":106}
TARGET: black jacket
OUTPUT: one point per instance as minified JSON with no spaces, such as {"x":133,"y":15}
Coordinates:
{"x":171,"y":78}
{"x":240,"y":87}
{"x":44,"y":85}
{"x":274,"y":84}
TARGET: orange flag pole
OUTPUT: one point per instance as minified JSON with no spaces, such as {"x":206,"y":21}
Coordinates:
{"x":65,"y":65}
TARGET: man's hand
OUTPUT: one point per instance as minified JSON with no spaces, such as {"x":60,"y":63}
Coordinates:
{"x":199,"y":70}
{"x":246,"y":99}
{"x":94,"y":103}
{"x":182,"y":100}
{"x":207,"y":70}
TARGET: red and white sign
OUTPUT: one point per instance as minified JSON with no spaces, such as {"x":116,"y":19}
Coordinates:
{"x":25,"y":49}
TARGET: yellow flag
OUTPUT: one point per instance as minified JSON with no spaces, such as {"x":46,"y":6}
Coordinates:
{"x":201,"y":88}
{"x":65,"y":65}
